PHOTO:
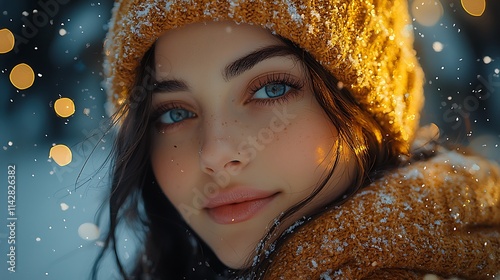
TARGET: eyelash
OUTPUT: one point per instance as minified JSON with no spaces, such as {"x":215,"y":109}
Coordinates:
{"x":274,"y":78}
{"x":162,"y":109}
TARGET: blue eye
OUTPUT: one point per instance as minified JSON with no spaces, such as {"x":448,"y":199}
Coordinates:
{"x":272,"y":90}
{"x":175,"y":115}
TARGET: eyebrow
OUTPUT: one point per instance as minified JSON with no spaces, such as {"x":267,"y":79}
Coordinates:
{"x":248,"y":61}
{"x":169,"y":86}
{"x":231,"y":70}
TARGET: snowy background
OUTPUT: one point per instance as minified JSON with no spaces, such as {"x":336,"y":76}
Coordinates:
{"x":62,"y":42}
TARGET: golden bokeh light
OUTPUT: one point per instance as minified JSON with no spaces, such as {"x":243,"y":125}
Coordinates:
{"x":427,"y":12}
{"x":64,"y":107}
{"x":6,"y":40}
{"x":22,"y":76}
{"x":61,"y":154}
{"x":474,"y":7}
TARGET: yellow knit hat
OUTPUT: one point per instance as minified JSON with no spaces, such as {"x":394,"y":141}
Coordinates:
{"x":366,"y":44}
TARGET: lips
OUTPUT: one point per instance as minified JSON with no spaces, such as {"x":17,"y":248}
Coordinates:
{"x":237,"y":205}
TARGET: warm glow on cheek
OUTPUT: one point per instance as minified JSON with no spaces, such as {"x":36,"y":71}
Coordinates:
{"x":324,"y":154}
{"x":324,"y":142}
{"x":320,"y":155}
{"x":305,"y":148}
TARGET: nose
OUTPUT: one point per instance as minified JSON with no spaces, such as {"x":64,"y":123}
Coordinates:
{"x":219,"y":151}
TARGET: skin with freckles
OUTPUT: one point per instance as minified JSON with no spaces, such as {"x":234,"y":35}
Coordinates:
{"x":236,"y":144}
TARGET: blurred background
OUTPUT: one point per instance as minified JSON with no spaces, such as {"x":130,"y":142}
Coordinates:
{"x":53,"y":120}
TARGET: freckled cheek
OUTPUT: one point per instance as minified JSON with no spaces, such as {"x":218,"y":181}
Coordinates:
{"x":304,"y":146}
{"x":172,"y":165}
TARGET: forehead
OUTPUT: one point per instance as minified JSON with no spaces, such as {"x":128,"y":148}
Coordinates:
{"x":212,"y":44}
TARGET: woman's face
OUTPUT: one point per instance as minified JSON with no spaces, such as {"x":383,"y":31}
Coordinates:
{"x":238,"y":136}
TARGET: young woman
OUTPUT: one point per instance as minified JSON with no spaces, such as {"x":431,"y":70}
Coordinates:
{"x":246,"y":129}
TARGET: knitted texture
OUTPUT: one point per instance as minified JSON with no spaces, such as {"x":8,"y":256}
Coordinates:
{"x":440,"y":217}
{"x":366,"y":45}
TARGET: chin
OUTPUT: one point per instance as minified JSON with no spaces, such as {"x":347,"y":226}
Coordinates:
{"x":233,"y":260}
